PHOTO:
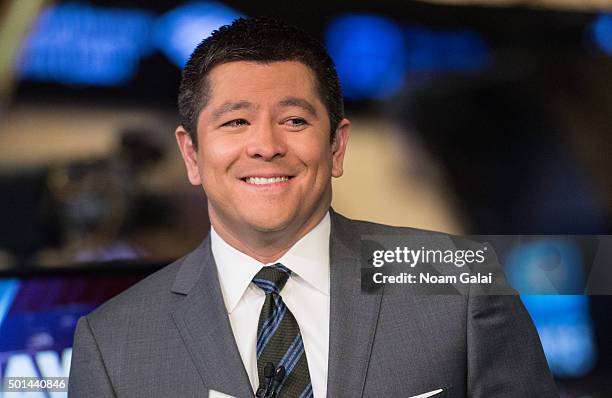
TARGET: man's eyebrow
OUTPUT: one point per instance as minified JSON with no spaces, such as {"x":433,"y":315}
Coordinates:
{"x":300,"y":103}
{"x":229,"y":107}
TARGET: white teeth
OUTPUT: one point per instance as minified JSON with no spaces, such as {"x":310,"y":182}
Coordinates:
{"x":263,"y":181}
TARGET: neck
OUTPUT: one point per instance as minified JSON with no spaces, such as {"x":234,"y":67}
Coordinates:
{"x":265,"y":246}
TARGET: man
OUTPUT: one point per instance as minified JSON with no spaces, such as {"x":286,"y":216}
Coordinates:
{"x":270,"y":304}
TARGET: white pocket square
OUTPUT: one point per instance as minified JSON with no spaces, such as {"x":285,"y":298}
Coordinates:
{"x":428,"y":394}
{"x":217,"y":394}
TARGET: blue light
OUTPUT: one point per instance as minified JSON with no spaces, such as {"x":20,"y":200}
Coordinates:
{"x":369,"y":52}
{"x":85,"y":45}
{"x":373,"y":54}
{"x":8,"y":290}
{"x":546,"y":266}
{"x":601,"y":30}
{"x":179,"y":31}
{"x":565,"y":330}
{"x":563,"y":322}
{"x":429,"y":50}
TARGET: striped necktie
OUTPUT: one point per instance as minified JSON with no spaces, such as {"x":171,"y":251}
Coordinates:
{"x":281,"y":361}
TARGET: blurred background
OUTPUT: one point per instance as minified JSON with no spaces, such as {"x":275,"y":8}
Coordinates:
{"x":470,"y":117}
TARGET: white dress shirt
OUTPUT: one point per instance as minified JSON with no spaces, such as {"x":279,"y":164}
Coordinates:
{"x":306,"y":294}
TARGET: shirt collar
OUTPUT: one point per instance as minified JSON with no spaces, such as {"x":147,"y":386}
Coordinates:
{"x":308,"y":259}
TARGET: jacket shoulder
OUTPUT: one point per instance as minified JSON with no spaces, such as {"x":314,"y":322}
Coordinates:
{"x":151,"y":293}
{"x":372,"y":228}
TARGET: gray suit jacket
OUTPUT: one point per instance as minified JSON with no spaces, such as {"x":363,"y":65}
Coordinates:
{"x":170,"y":336}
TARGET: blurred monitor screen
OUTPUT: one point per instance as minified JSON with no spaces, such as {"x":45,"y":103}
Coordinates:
{"x":39,"y":312}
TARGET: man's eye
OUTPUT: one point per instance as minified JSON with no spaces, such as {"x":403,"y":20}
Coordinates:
{"x":296,"y":122}
{"x":236,"y":123}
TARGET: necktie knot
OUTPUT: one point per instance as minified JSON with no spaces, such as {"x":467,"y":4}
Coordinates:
{"x":272,"y":279}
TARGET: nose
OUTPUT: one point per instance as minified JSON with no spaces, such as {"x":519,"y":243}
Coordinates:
{"x":266,"y":142}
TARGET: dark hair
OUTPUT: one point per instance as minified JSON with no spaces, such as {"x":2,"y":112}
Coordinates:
{"x":260,"y":40}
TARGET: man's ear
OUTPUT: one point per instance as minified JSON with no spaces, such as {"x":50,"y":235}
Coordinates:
{"x":343,"y":131}
{"x":190,"y":155}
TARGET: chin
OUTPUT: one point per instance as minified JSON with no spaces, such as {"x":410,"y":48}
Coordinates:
{"x":270,"y":222}
{"x":269,"y":225}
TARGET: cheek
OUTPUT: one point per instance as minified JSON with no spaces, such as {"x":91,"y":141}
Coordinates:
{"x":314,"y":152}
{"x":218,"y":155}
{"x":320,"y":164}
{"x":323,"y":157}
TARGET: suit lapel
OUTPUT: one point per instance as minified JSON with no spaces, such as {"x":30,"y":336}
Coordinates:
{"x":202,"y":321}
{"x":353,"y":314}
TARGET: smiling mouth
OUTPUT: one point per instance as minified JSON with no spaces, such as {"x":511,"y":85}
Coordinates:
{"x":266,"y":180}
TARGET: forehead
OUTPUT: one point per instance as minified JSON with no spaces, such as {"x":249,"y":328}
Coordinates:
{"x":240,"y":80}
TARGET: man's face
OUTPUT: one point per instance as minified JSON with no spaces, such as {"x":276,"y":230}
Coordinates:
{"x":264,"y":156}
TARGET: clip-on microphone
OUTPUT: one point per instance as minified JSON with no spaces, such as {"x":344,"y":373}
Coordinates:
{"x":262,"y":391}
{"x":279,"y":376}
